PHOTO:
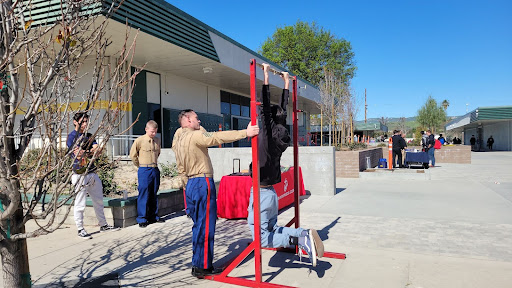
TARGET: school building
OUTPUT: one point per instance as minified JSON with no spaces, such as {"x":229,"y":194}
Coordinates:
{"x":188,"y":64}
{"x":484,"y":122}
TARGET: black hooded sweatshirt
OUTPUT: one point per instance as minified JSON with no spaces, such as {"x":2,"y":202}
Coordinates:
{"x":273,"y":139}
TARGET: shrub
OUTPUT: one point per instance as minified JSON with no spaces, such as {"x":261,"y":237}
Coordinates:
{"x":357,"y":146}
{"x":106,"y":174}
{"x":351,"y":146}
{"x":170,"y":170}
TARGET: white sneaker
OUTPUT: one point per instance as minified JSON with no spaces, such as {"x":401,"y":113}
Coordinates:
{"x":307,"y":244}
{"x":319,"y":245}
{"x":83,"y":234}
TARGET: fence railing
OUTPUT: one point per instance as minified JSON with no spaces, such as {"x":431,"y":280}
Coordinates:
{"x":120,"y":146}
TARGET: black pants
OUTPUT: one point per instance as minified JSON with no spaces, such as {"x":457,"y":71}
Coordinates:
{"x":397,"y":152}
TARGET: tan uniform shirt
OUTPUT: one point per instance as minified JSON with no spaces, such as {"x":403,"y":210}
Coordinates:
{"x":145,"y":151}
{"x":191,"y":149}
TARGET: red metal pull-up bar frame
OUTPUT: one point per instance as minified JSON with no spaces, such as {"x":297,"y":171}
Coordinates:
{"x":256,"y":244}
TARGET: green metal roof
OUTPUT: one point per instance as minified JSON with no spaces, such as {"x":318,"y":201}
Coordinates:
{"x":370,"y":127}
{"x":492,"y":113}
{"x":481,"y":114}
{"x":168,"y":23}
{"x":155,"y":17}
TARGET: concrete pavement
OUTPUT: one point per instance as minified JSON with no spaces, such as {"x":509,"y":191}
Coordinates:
{"x":454,"y":230}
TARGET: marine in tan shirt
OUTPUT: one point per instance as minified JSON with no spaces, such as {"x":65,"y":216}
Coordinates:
{"x":191,"y":149}
{"x":144,"y":154}
{"x":190,"y":145}
{"x":145,"y":151}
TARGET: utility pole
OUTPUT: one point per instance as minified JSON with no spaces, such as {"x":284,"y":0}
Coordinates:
{"x":365,"y":106}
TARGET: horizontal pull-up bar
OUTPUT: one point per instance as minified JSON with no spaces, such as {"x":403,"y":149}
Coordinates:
{"x":276,"y":72}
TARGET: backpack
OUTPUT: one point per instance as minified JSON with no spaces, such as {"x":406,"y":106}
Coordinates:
{"x":437,"y":144}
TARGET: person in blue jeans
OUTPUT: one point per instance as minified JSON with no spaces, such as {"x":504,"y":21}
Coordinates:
{"x":272,"y":142}
{"x":431,"y":141}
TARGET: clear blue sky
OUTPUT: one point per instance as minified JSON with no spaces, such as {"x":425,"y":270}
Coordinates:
{"x":405,"y":50}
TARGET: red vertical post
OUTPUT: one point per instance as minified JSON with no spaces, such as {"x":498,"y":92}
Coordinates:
{"x":220,"y":129}
{"x":296,"y":188}
{"x":255,"y":178}
{"x":390,"y":162}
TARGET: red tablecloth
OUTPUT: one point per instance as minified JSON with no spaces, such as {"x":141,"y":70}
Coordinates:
{"x":234,"y":192}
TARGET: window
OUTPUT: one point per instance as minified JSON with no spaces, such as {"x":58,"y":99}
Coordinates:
{"x":235,"y":109}
{"x":233,"y":104}
{"x":225,"y":106}
{"x":245,"y":106}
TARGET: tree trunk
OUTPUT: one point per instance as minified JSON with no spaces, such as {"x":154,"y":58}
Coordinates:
{"x":15,"y":266}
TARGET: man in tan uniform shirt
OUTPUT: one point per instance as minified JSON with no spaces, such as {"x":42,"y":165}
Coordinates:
{"x":144,"y":154}
{"x":191,"y":148}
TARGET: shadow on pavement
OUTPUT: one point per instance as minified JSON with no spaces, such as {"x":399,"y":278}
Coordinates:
{"x":159,"y":256}
{"x":324,"y":233}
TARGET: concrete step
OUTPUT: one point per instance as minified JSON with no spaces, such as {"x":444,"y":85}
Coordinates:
{"x":396,"y":173}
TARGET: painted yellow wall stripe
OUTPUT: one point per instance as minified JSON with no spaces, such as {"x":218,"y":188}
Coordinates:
{"x":77,"y":106}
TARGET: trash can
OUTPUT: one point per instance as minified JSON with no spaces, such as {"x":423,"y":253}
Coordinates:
{"x":368,"y":163}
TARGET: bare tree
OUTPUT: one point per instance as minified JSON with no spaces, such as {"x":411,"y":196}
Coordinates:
{"x":44,"y":84}
{"x":402,"y":125}
{"x":337,"y":104}
{"x":384,"y":120}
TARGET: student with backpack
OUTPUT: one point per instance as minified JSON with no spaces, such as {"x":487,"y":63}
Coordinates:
{"x":441,"y":139}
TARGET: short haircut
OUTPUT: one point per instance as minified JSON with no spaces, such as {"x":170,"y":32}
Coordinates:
{"x":183,"y":113}
{"x":80,"y":115}
{"x":152,"y":124}
{"x":429,"y":131}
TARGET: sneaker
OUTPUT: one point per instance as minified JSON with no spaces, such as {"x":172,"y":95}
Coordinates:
{"x":83,"y":234}
{"x":307,"y":244}
{"x":107,"y":227}
{"x":319,"y":245}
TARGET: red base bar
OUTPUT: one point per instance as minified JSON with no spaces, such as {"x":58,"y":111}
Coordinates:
{"x":327,"y":254}
{"x":223,"y":277}
{"x":335,"y":255}
{"x":247,"y":282}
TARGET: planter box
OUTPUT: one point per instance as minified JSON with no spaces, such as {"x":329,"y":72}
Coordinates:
{"x":123,"y":213}
{"x":350,"y":163}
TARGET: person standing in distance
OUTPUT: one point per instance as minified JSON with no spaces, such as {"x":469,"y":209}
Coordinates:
{"x":431,"y":141}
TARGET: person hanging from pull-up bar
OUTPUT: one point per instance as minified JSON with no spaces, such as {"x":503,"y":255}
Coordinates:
{"x":272,"y":142}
